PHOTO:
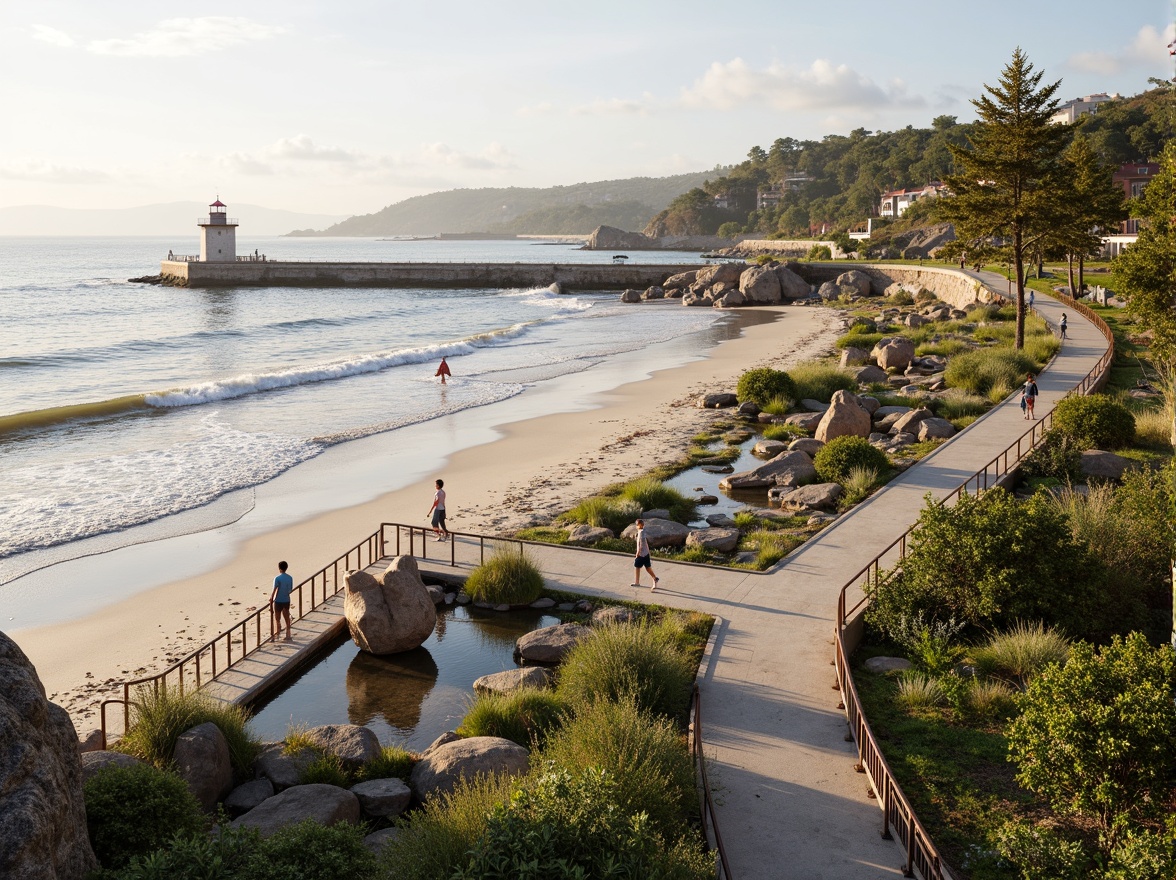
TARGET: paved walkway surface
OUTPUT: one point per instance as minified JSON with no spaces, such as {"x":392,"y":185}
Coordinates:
{"x":779,"y":753}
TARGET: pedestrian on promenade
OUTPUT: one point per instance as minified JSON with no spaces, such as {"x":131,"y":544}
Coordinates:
{"x":1031,"y":299}
{"x":443,"y":371}
{"x":1029,"y":396}
{"x":280,"y":604}
{"x":438,"y":510}
{"x":641,"y":559}
{"x":1062,"y":326}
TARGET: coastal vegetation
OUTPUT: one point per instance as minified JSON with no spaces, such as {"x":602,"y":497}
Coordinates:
{"x":509,"y":577}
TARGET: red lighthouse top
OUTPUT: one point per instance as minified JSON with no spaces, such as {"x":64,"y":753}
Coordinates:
{"x":218,"y":204}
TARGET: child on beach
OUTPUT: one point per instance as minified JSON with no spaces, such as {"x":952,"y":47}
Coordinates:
{"x":438,"y":510}
{"x":443,"y":371}
{"x":280,"y":604}
{"x":641,"y":559}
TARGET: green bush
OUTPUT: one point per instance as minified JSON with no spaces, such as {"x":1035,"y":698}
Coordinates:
{"x":327,"y":770}
{"x":817,"y":381}
{"x":310,"y":851}
{"x":993,"y":373}
{"x":393,"y":762}
{"x":1097,"y":736}
{"x":1094,"y":422}
{"x":839,"y":456}
{"x":159,"y":718}
{"x":1040,"y":852}
{"x":819,"y":252}
{"x":437,"y":839}
{"x":508,"y":577}
{"x":628,"y":660}
{"x":1056,"y":457}
{"x":777,"y":406}
{"x":645,"y":754}
{"x":648,"y":493}
{"x":1022,"y":652}
{"x":763,"y":384}
{"x":525,"y":716}
{"x":132,"y":811}
{"x":196,"y":855}
{"x":560,"y":825}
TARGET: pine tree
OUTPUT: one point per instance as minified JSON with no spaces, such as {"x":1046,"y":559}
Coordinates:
{"x":1090,"y":203}
{"x":1010,"y":176}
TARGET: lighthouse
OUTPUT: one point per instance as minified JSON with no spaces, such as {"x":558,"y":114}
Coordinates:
{"x":218,"y":235}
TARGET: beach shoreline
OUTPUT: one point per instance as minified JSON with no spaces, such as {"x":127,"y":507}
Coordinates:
{"x":516,"y":474}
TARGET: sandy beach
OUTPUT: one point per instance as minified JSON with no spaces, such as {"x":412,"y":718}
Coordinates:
{"x":525,"y":472}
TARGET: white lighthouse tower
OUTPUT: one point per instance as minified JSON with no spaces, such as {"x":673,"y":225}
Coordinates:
{"x":218,"y":235}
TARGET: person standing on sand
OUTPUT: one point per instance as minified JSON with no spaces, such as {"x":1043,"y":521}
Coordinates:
{"x":443,"y":371}
{"x":280,"y":604}
{"x":438,"y":510}
{"x":641,"y":559}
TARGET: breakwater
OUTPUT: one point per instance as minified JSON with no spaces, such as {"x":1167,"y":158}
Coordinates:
{"x":569,"y":276}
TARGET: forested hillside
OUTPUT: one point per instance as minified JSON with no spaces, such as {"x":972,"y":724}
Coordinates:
{"x":846,"y":174}
{"x":579,"y":208}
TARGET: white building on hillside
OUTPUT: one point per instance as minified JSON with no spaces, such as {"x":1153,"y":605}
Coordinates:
{"x":1069,"y":112}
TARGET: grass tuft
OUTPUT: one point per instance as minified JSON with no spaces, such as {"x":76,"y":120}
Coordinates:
{"x":526,"y":716}
{"x":1022,"y":652}
{"x":393,"y":762}
{"x":917,"y":690}
{"x":818,"y":381}
{"x":508,"y":576}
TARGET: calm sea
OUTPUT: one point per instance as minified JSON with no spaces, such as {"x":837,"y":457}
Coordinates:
{"x":123,"y":404}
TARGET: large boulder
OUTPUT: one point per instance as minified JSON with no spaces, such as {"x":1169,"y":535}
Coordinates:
{"x":1100,"y":465}
{"x":893,"y":352}
{"x":350,"y":743}
{"x":281,"y":769}
{"x":609,"y":238}
{"x":719,"y":273}
{"x":248,"y":795}
{"x":717,"y":400}
{"x":845,"y":417}
{"x":719,"y":540}
{"x":857,"y":279}
{"x":382,"y":798}
{"x":390,"y":615}
{"x":42,"y":814}
{"x":792,"y":286}
{"x":511,"y":680}
{"x":787,"y":468}
{"x":804,"y":421}
{"x":582,"y":534}
{"x":550,"y":644}
{"x":439,"y":771}
{"x":631,"y":296}
{"x":814,"y":496}
{"x":760,"y":285}
{"x":731,"y":299}
{"x":95,"y":762}
{"x":202,"y":759}
{"x":936,"y":429}
{"x":852,"y":356}
{"x":323,"y":804}
{"x":660,"y":532}
{"x":868,"y":374}
{"x":680,"y":281}
{"x":807,"y":445}
{"x":909,"y":423}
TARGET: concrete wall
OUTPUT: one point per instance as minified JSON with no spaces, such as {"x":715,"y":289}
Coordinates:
{"x":500,"y":275}
{"x":795,"y":248}
{"x":950,"y":285}
{"x":218,"y":243}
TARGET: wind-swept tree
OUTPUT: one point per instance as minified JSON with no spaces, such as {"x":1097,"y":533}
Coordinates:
{"x":1010,"y":174}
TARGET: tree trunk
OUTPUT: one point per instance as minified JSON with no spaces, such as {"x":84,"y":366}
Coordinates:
{"x":1019,"y":268}
{"x":1081,"y":276}
{"x":1070,"y":271}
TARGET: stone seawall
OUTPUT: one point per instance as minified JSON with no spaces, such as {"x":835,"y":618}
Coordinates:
{"x":569,"y":276}
{"x":950,"y":285}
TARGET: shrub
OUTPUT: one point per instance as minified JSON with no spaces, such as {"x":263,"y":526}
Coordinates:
{"x":948,"y":348}
{"x":763,"y":384}
{"x":817,"y":381}
{"x":989,"y":371}
{"x":955,"y":406}
{"x":1153,"y":428}
{"x":436,"y":840}
{"x":1094,"y":422}
{"x":648,"y":493}
{"x":819,"y":252}
{"x":785,"y":432}
{"x":1056,"y":457}
{"x":393,"y":762}
{"x":1039,"y":851}
{"x":628,"y":661}
{"x":777,"y":406}
{"x":646,"y":755}
{"x":195,"y":856}
{"x":525,"y":716}
{"x":132,"y":811}
{"x":902,"y":298}
{"x":310,"y":851}
{"x":917,"y":690}
{"x":1097,"y":736}
{"x":931,"y":644}
{"x":990,"y":699}
{"x":159,"y":718}
{"x":858,"y":484}
{"x":606,"y":513}
{"x":840,"y":455}
{"x":564,"y":825}
{"x":507,"y":577}
{"x":326,"y":770}
{"x":1022,"y":652}
{"x":1144,"y":855}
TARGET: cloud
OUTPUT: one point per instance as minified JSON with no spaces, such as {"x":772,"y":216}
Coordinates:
{"x":1148,"y":49}
{"x":175,"y":37}
{"x":614,"y":107}
{"x":302,"y":148}
{"x":494,"y":156}
{"x":52,"y":36}
{"x":821,"y":86}
{"x":50,"y":172}
{"x":545,"y":108}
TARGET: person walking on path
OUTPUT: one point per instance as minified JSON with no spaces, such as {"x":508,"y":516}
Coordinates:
{"x":438,"y":511}
{"x":1030,"y":299}
{"x":641,"y":559}
{"x":1062,"y":327}
{"x":280,"y":604}
{"x":443,"y":371}
{"x":1029,"y":397}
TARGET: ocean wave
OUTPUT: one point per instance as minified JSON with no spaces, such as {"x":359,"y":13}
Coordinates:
{"x":58,"y":415}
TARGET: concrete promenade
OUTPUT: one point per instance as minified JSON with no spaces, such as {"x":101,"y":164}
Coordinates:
{"x":790,"y":803}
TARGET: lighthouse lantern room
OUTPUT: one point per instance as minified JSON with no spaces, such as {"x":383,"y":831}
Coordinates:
{"x":218,"y":235}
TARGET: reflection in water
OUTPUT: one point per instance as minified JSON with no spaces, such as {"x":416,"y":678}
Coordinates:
{"x":391,"y":687}
{"x":408,"y":699}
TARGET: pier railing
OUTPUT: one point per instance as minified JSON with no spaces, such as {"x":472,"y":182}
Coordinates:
{"x":710,"y":821}
{"x":898,"y":816}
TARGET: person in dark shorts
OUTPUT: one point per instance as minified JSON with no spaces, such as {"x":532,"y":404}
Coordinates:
{"x":280,"y":603}
{"x":1029,"y":396}
{"x":641,"y":559}
{"x":438,"y":512}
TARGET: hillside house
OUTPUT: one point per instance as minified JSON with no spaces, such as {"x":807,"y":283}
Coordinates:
{"x":895,"y":202}
{"x":1069,"y":112}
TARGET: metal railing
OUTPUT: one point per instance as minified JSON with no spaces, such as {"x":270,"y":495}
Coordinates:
{"x":706,"y":808}
{"x":897,"y":813}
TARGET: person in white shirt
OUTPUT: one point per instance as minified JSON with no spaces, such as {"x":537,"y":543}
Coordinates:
{"x":641,"y":559}
{"x":438,"y":512}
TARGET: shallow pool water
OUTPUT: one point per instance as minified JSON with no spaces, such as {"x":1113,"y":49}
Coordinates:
{"x":408,"y":699}
{"x":696,"y":481}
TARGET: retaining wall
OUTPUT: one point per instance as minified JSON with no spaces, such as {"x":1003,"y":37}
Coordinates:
{"x":950,"y":285}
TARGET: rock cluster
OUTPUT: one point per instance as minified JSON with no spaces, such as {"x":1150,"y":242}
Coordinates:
{"x":729,"y":285}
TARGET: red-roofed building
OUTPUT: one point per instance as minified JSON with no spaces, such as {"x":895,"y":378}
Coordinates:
{"x":895,"y":202}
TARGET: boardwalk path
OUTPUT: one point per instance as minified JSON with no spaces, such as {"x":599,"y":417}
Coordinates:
{"x":791,"y":803}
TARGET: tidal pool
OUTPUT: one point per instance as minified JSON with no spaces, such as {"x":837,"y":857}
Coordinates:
{"x":408,"y":699}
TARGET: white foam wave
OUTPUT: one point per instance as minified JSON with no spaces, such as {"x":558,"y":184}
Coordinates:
{"x":550,"y":297}
{"x":253,"y":383}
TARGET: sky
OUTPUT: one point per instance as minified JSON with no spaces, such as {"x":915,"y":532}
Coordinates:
{"x":348,"y":106}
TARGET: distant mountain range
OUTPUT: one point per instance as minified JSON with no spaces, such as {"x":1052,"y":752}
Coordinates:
{"x":579,"y":208}
{"x":172,"y":218}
